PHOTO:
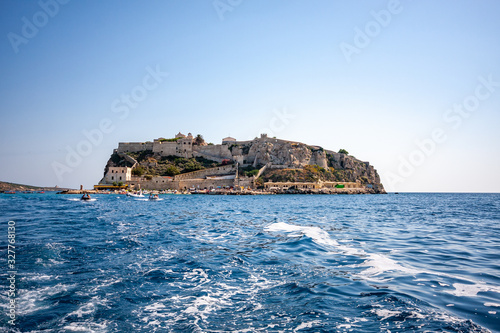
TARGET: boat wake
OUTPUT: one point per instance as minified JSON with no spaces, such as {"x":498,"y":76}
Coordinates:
{"x":77,"y":199}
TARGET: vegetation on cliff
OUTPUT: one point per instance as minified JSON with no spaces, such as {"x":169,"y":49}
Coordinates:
{"x":314,"y":173}
{"x":249,"y":171}
{"x":310,"y":173}
{"x":153,"y":165}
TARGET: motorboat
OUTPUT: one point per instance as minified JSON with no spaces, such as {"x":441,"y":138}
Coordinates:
{"x":136,"y":194}
{"x":153,"y":197}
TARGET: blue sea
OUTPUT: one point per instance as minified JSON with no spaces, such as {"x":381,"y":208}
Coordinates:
{"x":277,"y":263}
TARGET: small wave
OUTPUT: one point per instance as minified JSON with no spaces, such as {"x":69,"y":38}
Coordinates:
{"x":377,"y":264}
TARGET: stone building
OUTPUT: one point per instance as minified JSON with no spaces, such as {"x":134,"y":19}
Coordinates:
{"x":118,"y":174}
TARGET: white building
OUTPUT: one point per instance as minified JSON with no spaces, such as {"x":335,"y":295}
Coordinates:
{"x":118,"y":174}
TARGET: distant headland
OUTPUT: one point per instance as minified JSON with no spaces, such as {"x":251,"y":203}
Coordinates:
{"x":9,"y":187}
{"x":188,"y":163}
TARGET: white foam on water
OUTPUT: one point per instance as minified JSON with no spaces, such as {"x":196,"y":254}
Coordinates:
{"x":105,"y":283}
{"x":203,"y":305}
{"x":495,"y":305}
{"x":154,"y":307}
{"x":157,"y":310}
{"x":492,"y":312}
{"x":56,"y":262}
{"x":85,"y":309}
{"x":214,"y":296}
{"x":350,"y":323}
{"x":88,"y":308}
{"x":40,"y":277}
{"x":308,"y":324}
{"x":78,"y":199}
{"x":471,"y":290}
{"x":379,"y":264}
{"x":28,"y":301}
{"x":318,"y":235}
{"x":384,"y":313}
{"x":88,"y":327}
{"x":343,"y":326}
{"x":448,"y":318}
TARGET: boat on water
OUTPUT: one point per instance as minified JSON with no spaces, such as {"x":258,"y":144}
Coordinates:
{"x":136,"y":194}
{"x":86,"y":197}
{"x":10,"y":192}
{"x":153,"y":197}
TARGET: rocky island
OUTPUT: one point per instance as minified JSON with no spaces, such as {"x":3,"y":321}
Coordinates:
{"x":267,"y":164}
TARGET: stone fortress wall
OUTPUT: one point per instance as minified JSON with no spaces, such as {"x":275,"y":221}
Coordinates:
{"x":134,"y":147}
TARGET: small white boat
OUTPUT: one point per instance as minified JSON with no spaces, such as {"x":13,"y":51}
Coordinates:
{"x":136,"y":194}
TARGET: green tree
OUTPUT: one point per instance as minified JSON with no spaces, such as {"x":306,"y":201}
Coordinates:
{"x":172,"y":170}
{"x":259,"y":182}
{"x":138,"y":171}
{"x":192,"y":165}
{"x":343,"y":151}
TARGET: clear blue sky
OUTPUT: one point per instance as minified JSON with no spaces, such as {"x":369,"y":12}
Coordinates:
{"x":373,"y":77}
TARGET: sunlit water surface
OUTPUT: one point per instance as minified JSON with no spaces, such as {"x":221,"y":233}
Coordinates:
{"x":292,"y":263}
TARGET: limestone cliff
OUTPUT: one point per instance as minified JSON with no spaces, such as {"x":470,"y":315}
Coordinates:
{"x":283,"y":155}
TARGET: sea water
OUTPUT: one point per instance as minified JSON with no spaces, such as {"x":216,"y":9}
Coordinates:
{"x":289,"y":263}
